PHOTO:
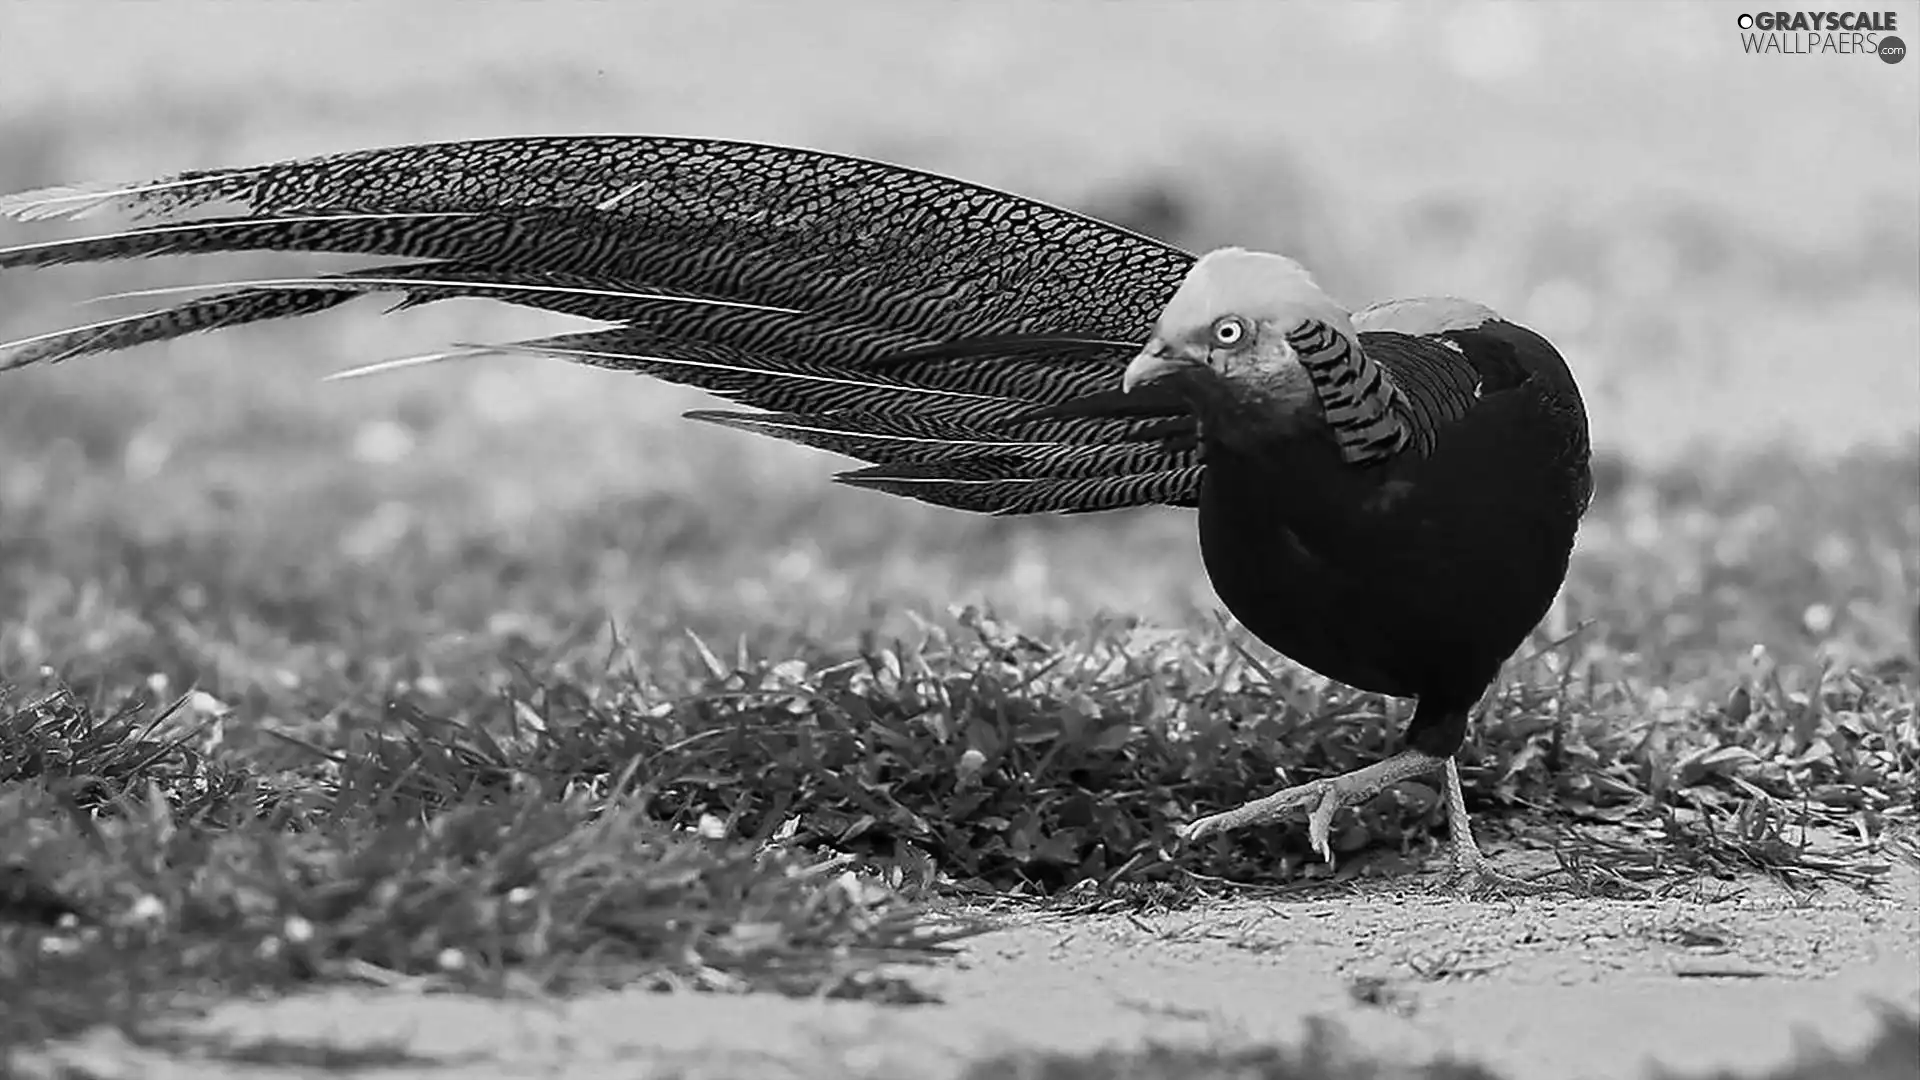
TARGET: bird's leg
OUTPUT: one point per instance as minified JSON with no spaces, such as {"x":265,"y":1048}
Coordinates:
{"x":1320,"y":798}
{"x":1471,"y":873}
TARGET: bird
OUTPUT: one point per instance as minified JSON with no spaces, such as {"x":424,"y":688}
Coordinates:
{"x":1386,"y":496}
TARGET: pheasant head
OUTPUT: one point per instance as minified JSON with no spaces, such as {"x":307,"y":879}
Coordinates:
{"x":1257,"y":348}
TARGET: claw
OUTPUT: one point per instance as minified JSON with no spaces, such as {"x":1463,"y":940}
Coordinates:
{"x":1315,"y":794}
{"x":1471,"y":877}
{"x":1320,"y":824}
{"x":1320,"y":798}
{"x":1477,"y":882}
{"x":1471,"y":874}
{"x":1195,"y":831}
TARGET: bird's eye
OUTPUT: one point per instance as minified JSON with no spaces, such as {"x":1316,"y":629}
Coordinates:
{"x":1229,"y":330}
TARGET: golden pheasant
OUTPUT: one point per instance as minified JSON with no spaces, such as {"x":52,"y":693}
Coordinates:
{"x":1388,"y":497}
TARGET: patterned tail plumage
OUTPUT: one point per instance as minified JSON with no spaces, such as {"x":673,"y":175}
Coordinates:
{"x":964,"y":342}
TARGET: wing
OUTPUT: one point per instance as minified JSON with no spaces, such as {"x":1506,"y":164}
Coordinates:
{"x":1455,"y":359}
{"x":960,"y":340}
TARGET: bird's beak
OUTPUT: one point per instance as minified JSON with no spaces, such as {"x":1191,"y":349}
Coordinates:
{"x":1157,"y":361}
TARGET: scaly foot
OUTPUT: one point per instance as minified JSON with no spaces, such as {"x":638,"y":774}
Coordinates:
{"x":1320,"y":798}
{"x":1472,"y":875}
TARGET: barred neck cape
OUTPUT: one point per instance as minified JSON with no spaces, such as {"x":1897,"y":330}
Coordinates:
{"x":966,"y":344}
{"x":1365,"y":410}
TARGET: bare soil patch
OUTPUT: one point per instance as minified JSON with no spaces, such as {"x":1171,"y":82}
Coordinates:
{"x":1739,"y":976}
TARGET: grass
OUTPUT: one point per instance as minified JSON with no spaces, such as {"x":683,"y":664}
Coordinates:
{"x":502,"y":680}
{"x":548,"y":807}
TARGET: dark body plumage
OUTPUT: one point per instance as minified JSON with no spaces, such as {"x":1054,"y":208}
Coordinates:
{"x":1418,"y":576}
{"x":1400,"y":527}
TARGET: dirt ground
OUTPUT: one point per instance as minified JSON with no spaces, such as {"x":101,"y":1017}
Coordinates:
{"x":1538,"y":987}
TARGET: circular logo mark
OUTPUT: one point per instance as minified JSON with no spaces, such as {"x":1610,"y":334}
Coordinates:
{"x":1892,"y":49}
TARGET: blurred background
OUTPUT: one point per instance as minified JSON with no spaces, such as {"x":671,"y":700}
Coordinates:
{"x":1725,"y":246}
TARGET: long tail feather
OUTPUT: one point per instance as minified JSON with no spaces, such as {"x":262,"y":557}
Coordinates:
{"x":82,"y":200}
{"x":351,"y":234}
{"x":399,"y":363}
{"x":1047,"y":495}
{"x":209,"y":313}
{"x":886,"y":440}
{"x":997,"y":346}
{"x":448,"y":286}
{"x":965,"y":342}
